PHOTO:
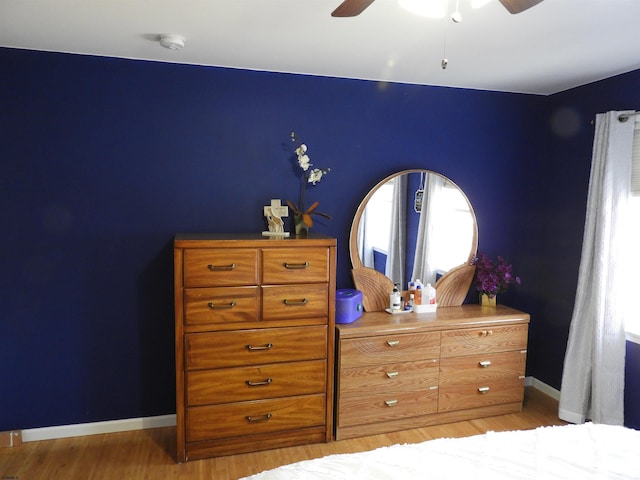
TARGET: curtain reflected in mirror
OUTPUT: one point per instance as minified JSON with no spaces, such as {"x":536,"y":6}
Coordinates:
{"x":416,"y":225}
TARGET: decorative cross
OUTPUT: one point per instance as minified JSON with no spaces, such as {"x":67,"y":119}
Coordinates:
{"x":274,"y":213}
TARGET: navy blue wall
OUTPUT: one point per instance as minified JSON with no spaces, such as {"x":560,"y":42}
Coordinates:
{"x":632,"y":386}
{"x":103,"y":160}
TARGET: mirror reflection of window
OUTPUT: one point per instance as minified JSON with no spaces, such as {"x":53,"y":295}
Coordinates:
{"x":375,"y":228}
{"x":630,"y":242}
{"x":445,"y":230}
{"x":378,"y":232}
{"x":435,"y":240}
{"x":456,"y":227}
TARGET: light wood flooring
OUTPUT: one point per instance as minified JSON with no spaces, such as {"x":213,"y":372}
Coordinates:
{"x":149,"y":454}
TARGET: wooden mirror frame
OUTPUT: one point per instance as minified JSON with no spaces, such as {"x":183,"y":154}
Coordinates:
{"x":452,"y":288}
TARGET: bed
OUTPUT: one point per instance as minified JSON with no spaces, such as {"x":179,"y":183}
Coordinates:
{"x":570,"y":452}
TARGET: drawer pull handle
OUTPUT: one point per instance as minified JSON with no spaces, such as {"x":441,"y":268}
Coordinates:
{"x":251,"y":348}
{"x":391,"y":403}
{"x":258,"y":384}
{"x":295,"y":302}
{"x":393,"y":343}
{"x":392,"y":374}
{"x":483,"y":390}
{"x":296,"y":266}
{"x":486,"y":333}
{"x":213,"y":306}
{"x":261,"y":418}
{"x":218,"y":268}
{"x":484,"y":363}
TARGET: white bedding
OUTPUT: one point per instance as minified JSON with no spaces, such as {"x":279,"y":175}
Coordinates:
{"x":572,"y":452}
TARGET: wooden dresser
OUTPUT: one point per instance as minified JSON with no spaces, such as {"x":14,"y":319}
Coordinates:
{"x":254,"y":342}
{"x":396,"y":372}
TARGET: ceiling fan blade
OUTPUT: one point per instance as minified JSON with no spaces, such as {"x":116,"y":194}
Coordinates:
{"x":517,"y":6}
{"x":351,"y":8}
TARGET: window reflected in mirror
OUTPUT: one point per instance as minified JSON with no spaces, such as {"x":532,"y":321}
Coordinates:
{"x":416,"y":225}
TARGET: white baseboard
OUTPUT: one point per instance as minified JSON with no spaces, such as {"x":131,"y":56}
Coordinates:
{"x":543,"y":387}
{"x":81,"y":429}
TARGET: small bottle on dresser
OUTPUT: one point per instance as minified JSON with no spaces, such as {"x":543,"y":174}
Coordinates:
{"x":395,"y":301}
{"x":430,"y":293}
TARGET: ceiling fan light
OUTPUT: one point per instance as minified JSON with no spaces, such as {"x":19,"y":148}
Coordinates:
{"x":479,"y":3}
{"x":425,"y":8}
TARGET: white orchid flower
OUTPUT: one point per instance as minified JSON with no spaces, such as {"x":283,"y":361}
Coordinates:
{"x":315,"y":176}
{"x":304,"y":162}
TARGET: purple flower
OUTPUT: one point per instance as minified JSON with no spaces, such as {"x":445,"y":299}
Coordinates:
{"x":493,"y":277}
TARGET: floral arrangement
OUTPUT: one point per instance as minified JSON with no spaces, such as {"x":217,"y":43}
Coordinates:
{"x":309,"y":176}
{"x":493,"y":277}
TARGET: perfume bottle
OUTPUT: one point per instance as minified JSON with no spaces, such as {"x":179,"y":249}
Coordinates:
{"x":395,"y":302}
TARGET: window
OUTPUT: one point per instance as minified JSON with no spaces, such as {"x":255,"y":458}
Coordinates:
{"x":632,"y":317}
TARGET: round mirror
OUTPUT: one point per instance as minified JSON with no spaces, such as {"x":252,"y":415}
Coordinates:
{"x":415,"y":224}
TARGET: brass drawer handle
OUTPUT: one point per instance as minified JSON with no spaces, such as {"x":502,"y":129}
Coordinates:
{"x":295,"y":302}
{"x":218,"y":268}
{"x":296,"y":266}
{"x":251,"y":348}
{"x":261,"y":418}
{"x":486,"y":333}
{"x":393,"y":343}
{"x":483,"y":390}
{"x":213,"y":306}
{"x":392,"y":374}
{"x":391,"y":403}
{"x":484,"y":363}
{"x":258,"y":384}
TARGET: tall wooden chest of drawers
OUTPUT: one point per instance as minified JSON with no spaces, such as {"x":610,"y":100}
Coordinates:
{"x":255,"y":320}
{"x":396,"y":372}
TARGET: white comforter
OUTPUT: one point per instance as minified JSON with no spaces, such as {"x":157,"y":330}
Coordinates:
{"x":572,"y":452}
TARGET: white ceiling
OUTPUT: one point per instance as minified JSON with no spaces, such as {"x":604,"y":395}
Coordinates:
{"x":554,"y":46}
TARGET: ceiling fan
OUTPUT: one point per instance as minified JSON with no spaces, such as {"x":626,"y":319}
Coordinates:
{"x":352,"y":8}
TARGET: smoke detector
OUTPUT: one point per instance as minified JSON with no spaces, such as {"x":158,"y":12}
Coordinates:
{"x":172,"y":41}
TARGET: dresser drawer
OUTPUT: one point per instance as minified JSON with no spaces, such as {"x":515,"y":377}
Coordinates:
{"x":480,"y":394}
{"x":222,"y":305}
{"x":389,"y":349}
{"x":292,"y":302}
{"x":228,"y":385}
{"x":482,"y":368}
{"x":211,"y":267}
{"x":256,"y":417}
{"x":484,"y":340}
{"x":295,"y":265}
{"x":389,"y":378}
{"x":252,"y":347}
{"x":381,"y":407}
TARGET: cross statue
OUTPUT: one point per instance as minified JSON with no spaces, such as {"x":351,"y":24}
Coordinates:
{"x":274,"y":213}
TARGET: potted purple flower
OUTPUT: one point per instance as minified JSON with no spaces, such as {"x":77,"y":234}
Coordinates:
{"x":492,"y":277}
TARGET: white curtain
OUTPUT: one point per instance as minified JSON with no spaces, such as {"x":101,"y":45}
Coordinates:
{"x":396,"y":258}
{"x":365,"y":247}
{"x":429,"y":228}
{"x":593,"y":375}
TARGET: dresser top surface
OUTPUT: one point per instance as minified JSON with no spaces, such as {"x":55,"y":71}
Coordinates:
{"x":465,"y":316}
{"x":203,"y":240}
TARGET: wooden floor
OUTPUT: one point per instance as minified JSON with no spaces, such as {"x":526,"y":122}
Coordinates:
{"x":149,"y":454}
